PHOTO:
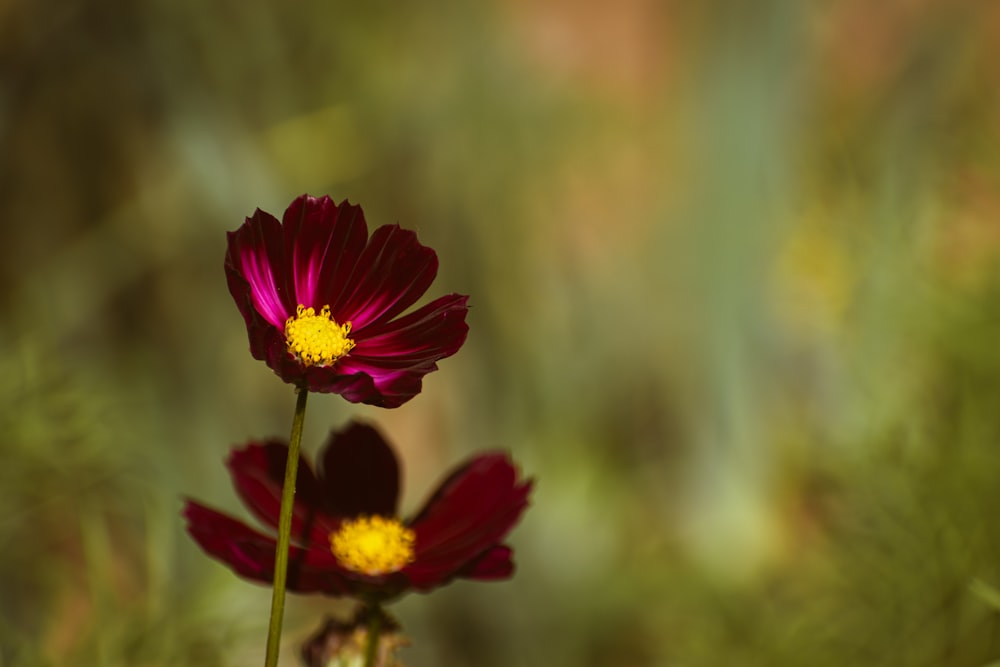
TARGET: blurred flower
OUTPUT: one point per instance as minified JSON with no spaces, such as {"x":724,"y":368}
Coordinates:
{"x":321,"y":302}
{"x":346,"y":539}
{"x":340,"y":644}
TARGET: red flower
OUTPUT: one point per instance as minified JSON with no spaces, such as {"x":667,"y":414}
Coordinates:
{"x":322,"y":302}
{"x":346,"y":539}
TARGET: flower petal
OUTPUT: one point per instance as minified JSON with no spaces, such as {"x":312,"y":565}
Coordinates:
{"x":251,"y":554}
{"x":255,"y":269}
{"x":388,"y":389}
{"x":468,"y":515}
{"x":434,"y":331}
{"x":392,"y":273}
{"x":356,"y":387}
{"x":258,"y":473}
{"x":396,"y":356}
{"x":323,"y":243}
{"x":360,"y":473}
{"x":496,"y":563}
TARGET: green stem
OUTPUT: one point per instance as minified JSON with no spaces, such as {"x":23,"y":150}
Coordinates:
{"x":374,"y":627}
{"x":285,"y":531}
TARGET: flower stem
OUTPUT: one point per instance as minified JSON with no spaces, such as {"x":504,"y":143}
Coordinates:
{"x":285,"y":531}
{"x":374,"y":627}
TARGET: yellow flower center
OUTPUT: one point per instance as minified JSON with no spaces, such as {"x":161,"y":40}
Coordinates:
{"x":317,"y":340}
{"x":373,"y":545}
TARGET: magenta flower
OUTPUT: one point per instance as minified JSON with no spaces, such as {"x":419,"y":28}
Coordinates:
{"x":324,"y":303}
{"x":346,"y":537}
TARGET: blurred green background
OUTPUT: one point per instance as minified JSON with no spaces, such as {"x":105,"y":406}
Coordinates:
{"x":736,"y":306}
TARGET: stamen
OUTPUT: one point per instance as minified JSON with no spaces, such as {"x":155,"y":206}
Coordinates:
{"x":317,"y":340}
{"x":373,"y":545}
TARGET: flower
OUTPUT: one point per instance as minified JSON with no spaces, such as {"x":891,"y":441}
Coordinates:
{"x":346,"y":537}
{"x":343,"y":643}
{"x":323,"y":303}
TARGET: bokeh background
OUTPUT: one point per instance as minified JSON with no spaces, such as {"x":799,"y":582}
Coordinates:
{"x":736,"y":306}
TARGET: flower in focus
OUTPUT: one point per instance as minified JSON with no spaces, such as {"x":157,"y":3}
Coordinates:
{"x":346,"y":537}
{"x":324,"y":303}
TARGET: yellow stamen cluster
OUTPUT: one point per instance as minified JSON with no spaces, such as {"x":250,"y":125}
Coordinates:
{"x":373,"y":545}
{"x":317,"y":340}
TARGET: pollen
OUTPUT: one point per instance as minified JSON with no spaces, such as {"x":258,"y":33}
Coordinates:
{"x":317,"y":340}
{"x":373,"y":545}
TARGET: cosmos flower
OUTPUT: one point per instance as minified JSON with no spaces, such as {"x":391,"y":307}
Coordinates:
{"x":340,"y":643}
{"x":324,"y":304}
{"x":347,"y":538}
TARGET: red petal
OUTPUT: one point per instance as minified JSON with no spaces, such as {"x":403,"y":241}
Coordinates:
{"x":434,"y":331}
{"x":360,"y":473}
{"x":392,"y":273}
{"x":323,"y":243}
{"x":258,"y":473}
{"x":392,"y":389}
{"x":469,"y":514}
{"x":255,"y":256}
{"x":251,"y":554}
{"x":495,"y":564}
{"x":401,"y":353}
{"x":356,"y":387}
